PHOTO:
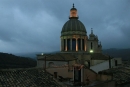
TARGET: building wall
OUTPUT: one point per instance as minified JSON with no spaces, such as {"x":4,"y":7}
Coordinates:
{"x":102,"y":77}
{"x":82,"y":59}
{"x":86,"y":57}
{"x":40,"y":63}
{"x":93,"y":46}
{"x":61,"y":72}
{"x":95,"y":62}
{"x":119,"y":62}
{"x":105,"y":64}
{"x":89,"y":74}
{"x":72,"y":62}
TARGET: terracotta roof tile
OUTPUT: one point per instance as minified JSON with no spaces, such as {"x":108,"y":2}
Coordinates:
{"x":57,"y":57}
{"x":121,"y":75}
{"x":99,"y":56}
{"x":26,"y":78}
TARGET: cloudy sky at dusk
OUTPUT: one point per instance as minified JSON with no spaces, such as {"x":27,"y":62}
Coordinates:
{"x":35,"y":25}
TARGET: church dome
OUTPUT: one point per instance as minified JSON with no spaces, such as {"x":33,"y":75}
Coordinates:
{"x":73,"y":8}
{"x":74,"y":25}
{"x":73,"y":34}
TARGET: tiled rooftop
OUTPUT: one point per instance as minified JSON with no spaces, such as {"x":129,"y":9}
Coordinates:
{"x":99,"y":56}
{"x":26,"y":78}
{"x":57,"y":57}
{"x":120,"y":75}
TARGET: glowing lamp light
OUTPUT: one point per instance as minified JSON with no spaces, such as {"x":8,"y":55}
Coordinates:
{"x":91,"y":51}
{"x":42,"y":53}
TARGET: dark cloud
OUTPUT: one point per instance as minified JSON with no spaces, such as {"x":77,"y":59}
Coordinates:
{"x":35,"y":25}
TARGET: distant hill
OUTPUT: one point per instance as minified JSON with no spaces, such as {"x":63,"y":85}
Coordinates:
{"x":12,"y":61}
{"x":33,"y":54}
{"x":122,"y":53}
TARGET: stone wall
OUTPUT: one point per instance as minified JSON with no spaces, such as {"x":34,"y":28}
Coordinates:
{"x":61,"y":71}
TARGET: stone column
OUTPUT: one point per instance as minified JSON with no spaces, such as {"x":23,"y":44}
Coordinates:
{"x":65,"y":44}
{"x":76,"y":44}
{"x":81,"y":43}
{"x":85,"y":43}
{"x":71,"y":44}
{"x":61,"y":47}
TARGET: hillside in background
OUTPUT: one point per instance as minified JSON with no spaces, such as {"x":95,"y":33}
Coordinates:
{"x":33,"y":54}
{"x":122,"y":53}
{"x":12,"y":61}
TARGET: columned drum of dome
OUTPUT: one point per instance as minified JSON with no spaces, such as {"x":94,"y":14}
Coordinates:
{"x":73,"y":34}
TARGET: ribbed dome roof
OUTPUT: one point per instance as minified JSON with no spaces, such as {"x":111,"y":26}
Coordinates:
{"x":73,"y":8}
{"x":73,"y":25}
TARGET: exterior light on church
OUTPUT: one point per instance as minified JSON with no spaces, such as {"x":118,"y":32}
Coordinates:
{"x":91,"y":51}
{"x":42,"y":53}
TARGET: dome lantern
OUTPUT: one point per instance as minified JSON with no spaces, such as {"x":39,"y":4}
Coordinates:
{"x":73,"y":13}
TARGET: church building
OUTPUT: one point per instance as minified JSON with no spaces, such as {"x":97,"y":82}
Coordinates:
{"x":74,"y":36}
{"x":77,"y":48}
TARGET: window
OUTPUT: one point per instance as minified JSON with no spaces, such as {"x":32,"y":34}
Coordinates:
{"x":79,"y":44}
{"x":68,"y":44}
{"x":74,"y":44}
{"x":115,"y":62}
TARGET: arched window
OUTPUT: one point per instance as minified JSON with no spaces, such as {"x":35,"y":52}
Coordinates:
{"x":64,"y":43}
{"x":79,"y":44}
{"x":83,"y":44}
{"x":74,"y":44}
{"x":87,"y":63}
{"x":68,"y":44}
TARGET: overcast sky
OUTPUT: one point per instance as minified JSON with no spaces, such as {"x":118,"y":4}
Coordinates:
{"x":35,"y":25}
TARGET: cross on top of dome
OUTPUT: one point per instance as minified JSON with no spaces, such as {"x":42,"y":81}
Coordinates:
{"x":73,"y":5}
{"x":73,"y":8}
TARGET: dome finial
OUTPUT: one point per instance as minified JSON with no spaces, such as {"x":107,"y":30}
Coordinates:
{"x":73,"y":5}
